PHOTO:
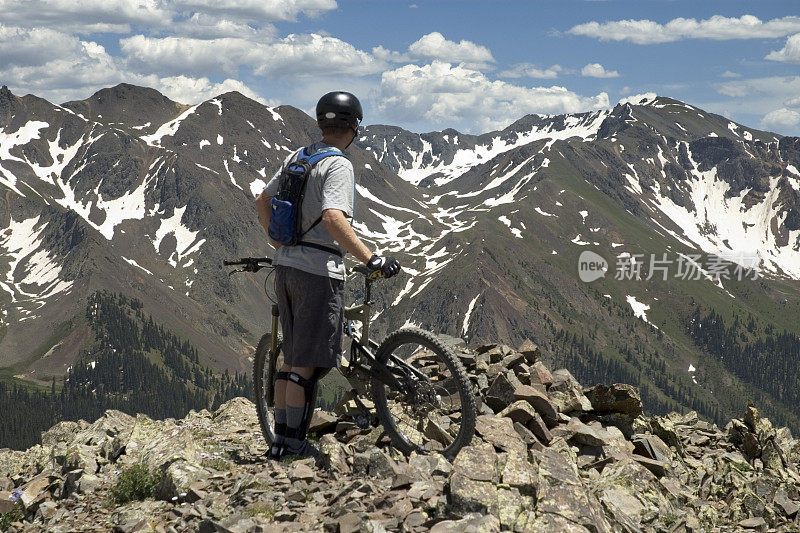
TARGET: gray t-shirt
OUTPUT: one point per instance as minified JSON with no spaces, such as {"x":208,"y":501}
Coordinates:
{"x":331,"y":185}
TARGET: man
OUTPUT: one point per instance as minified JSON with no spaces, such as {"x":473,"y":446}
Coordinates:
{"x":309,"y":277}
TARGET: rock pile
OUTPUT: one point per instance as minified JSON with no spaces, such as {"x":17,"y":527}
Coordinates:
{"x":549,"y":455}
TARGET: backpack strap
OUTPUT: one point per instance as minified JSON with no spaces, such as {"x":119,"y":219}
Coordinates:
{"x":313,"y":159}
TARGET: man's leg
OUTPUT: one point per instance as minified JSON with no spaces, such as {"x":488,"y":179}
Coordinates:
{"x":280,"y":409}
{"x":298,"y":400}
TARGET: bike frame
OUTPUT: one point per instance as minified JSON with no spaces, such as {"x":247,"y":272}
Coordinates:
{"x":362,"y":349}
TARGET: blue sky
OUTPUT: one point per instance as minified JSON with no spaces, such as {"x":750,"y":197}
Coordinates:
{"x":422,"y":64}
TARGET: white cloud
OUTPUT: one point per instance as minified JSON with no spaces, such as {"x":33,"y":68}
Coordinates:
{"x":313,"y":55}
{"x":179,"y":55}
{"x":729,"y":74}
{"x":442,"y":95}
{"x":86,"y":16}
{"x":195,"y":90}
{"x":596,"y":70}
{"x":780,"y":119}
{"x":790,"y":53}
{"x":781,"y":87}
{"x":203,"y":26}
{"x":301,"y":55}
{"x":434,"y":47}
{"x":529,"y":70}
{"x":30,"y":47}
{"x":793,"y":102}
{"x":60,"y":67}
{"x":717,"y":28}
{"x":259,"y":10}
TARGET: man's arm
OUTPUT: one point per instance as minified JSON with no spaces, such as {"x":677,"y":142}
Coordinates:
{"x":264,"y":214}
{"x":336,"y":224}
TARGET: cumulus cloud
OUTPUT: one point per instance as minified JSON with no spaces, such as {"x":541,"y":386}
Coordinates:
{"x":596,"y":70}
{"x":781,"y":87}
{"x":311,"y":55}
{"x":176,"y":55}
{"x":442,"y":95}
{"x":779,"y":119}
{"x":790,"y":53}
{"x":195,"y":90}
{"x":259,"y":10}
{"x":434,"y":46}
{"x":204,"y":26}
{"x":717,"y":28}
{"x":60,"y":67}
{"x":529,"y":70}
{"x":121,"y":16}
{"x":86,"y":16}
{"x":31,"y":47}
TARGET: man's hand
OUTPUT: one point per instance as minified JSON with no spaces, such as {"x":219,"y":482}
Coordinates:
{"x":388,"y":265}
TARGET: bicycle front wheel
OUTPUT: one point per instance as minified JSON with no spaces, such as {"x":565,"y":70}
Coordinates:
{"x":435,"y":410}
{"x":265,"y":364}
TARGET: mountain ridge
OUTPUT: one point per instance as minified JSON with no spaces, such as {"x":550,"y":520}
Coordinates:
{"x":490,"y":245}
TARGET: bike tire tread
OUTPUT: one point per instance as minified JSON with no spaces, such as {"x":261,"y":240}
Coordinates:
{"x":468,"y":403}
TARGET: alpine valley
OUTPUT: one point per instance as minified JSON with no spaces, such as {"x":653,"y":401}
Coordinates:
{"x":116,"y":213}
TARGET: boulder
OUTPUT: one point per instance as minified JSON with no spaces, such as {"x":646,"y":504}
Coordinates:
{"x":562,"y":494}
{"x":529,"y":350}
{"x":472,"y":522}
{"x":499,"y":431}
{"x":178,"y":477}
{"x":617,"y":398}
{"x":540,"y":430}
{"x":518,"y":472}
{"x":62,"y":432}
{"x":501,"y":392}
{"x":577,"y":432}
{"x":541,"y":375}
{"x":539,"y":401}
{"x":567,"y":394}
{"x":477,"y":462}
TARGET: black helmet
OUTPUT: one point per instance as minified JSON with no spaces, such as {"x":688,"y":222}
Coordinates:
{"x":339,"y":109}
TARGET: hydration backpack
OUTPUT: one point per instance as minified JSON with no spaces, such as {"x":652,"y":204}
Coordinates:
{"x":285,"y":224}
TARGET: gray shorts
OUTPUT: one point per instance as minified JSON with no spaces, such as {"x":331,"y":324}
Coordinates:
{"x":311,"y":309}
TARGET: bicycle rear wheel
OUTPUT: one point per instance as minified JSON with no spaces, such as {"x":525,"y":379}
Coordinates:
{"x":435,"y":410}
{"x":265,"y":364}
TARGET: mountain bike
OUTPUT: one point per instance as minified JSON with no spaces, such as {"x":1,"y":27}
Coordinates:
{"x":419,"y":388}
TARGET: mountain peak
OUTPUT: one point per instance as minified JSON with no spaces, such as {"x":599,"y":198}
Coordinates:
{"x":127,"y":104}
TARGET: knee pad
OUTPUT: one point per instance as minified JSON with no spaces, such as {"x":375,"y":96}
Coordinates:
{"x":310,"y":387}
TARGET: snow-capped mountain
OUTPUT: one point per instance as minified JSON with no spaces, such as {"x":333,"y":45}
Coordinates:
{"x":130,"y":192}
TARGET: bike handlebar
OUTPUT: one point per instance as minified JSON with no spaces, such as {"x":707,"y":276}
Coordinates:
{"x":371,"y":275}
{"x":254,"y":264}
{"x":250,"y":264}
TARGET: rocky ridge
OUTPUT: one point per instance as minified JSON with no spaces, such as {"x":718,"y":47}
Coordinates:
{"x":549,"y":455}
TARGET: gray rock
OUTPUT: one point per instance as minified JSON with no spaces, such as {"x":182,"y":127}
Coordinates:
{"x":178,"y":478}
{"x":540,"y":430}
{"x":501,"y":391}
{"x":519,"y":473}
{"x":579,"y":433}
{"x":477,"y":463}
{"x":561,"y":492}
{"x":470,"y":495}
{"x":499,"y":431}
{"x":540,"y":375}
{"x":471,"y":523}
{"x":617,"y":398}
{"x":539,"y":401}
